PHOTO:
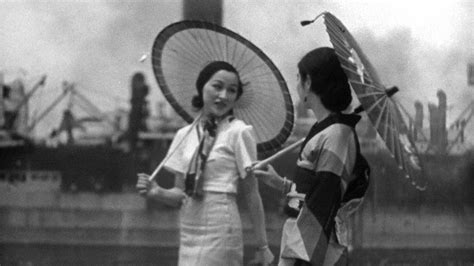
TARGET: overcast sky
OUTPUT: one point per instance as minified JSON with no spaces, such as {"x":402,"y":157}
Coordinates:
{"x":420,"y":46}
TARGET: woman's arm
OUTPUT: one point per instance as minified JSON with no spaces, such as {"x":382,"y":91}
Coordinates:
{"x":257,"y":216}
{"x":271,"y":178}
{"x":150,"y":189}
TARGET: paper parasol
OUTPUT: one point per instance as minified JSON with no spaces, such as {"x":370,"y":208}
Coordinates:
{"x":181,"y":51}
{"x":376,"y":100}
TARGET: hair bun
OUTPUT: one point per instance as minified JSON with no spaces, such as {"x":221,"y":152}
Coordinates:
{"x":197,"y":102}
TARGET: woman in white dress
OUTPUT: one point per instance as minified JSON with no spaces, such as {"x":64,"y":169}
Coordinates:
{"x":210,"y":164}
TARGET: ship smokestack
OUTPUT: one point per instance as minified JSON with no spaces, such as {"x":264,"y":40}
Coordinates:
{"x":433,"y":109}
{"x":438,"y":132}
{"x":442,"y":107}
{"x":419,"y":116}
{"x":207,"y":10}
{"x":139,"y":108}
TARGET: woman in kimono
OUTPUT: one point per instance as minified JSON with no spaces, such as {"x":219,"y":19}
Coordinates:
{"x":325,"y":178}
{"x":210,"y":165}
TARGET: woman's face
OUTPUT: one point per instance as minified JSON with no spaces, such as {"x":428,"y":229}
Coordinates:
{"x":220,"y":93}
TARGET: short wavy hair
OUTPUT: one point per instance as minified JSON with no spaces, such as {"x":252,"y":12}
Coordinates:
{"x":206,"y":74}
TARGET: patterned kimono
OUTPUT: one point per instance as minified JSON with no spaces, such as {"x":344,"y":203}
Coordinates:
{"x":334,"y":177}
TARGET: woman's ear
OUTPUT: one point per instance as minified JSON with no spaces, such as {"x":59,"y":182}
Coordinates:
{"x":307,"y":84}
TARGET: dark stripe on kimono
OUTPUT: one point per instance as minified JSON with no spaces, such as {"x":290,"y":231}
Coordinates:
{"x":323,"y":195}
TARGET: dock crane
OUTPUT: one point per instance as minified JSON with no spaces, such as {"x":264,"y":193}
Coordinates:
{"x":69,"y":122}
{"x":16,"y":109}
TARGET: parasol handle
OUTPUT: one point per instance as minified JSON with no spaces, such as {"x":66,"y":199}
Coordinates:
{"x":160,"y":166}
{"x":264,"y":163}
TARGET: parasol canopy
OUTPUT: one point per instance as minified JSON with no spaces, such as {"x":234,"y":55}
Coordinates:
{"x":183,"y":49}
{"x":375,"y":99}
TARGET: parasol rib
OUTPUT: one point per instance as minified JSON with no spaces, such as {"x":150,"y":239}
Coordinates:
{"x":387,"y":125}
{"x":174,"y":56}
{"x":216,"y":40}
{"x":234,"y":53}
{"x":337,"y":43}
{"x":367,"y":85}
{"x":226,"y":49}
{"x":261,"y":79}
{"x":351,"y":70}
{"x":260,"y":68}
{"x":238,"y":63}
{"x":377,"y":121}
{"x":395,"y":142}
{"x":183,"y":41}
{"x":216,"y":53}
{"x":245,"y":64}
{"x":374,"y":104}
{"x":200,"y":44}
{"x":179,"y":43}
{"x":372,"y":93}
{"x":390,"y":135}
{"x":209,"y":48}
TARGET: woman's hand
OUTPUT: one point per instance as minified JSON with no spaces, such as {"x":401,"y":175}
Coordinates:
{"x":270,"y":177}
{"x":173,"y":197}
{"x":144,"y":185}
{"x":294,"y":198}
{"x":263,"y":256}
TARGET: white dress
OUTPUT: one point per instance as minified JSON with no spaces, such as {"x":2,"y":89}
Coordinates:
{"x":210,"y":228}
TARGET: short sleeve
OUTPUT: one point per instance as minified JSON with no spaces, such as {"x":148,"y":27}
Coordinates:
{"x":245,"y":149}
{"x":181,"y":150}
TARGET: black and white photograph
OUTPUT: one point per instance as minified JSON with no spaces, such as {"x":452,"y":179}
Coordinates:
{"x":236,"y":132}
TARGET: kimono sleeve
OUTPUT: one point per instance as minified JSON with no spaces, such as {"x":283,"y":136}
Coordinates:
{"x":337,"y":154}
{"x":245,"y":150}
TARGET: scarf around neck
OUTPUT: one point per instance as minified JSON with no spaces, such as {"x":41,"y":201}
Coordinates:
{"x":194,"y":180}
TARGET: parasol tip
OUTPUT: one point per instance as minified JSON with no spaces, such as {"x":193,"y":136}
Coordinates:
{"x":306,"y":22}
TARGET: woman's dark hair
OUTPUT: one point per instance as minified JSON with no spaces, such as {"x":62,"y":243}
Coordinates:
{"x":205,"y":75}
{"x":328,"y":79}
